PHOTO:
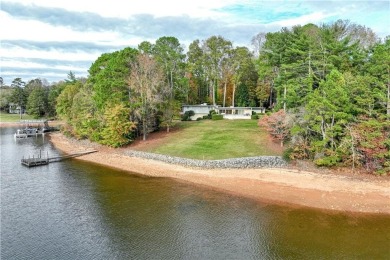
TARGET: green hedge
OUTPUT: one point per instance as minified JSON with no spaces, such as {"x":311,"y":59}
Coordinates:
{"x":216,"y":117}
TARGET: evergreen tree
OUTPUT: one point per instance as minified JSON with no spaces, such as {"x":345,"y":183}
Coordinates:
{"x":379,"y":68}
{"x":19,"y":95}
{"x":108,"y":75}
{"x":37,"y":102}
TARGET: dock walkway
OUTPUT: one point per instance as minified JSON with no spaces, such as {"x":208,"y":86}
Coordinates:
{"x":38,"y":161}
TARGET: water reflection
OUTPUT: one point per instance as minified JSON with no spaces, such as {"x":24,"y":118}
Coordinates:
{"x":150,"y":215}
{"x":78,"y":210}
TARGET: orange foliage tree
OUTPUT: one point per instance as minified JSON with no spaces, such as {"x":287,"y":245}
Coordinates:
{"x":278,"y":125}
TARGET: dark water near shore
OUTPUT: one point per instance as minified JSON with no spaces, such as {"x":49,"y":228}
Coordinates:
{"x":78,"y":210}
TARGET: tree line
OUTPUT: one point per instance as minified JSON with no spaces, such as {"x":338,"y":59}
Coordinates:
{"x":330,"y":85}
{"x":36,"y":97}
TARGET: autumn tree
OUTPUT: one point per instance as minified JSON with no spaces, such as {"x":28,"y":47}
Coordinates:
{"x":372,"y":141}
{"x":278,"y":125}
{"x":65,"y":101}
{"x":86,"y":119}
{"x":244,"y":77}
{"x":198,"y":79}
{"x":215,"y":49}
{"x":227,"y":72}
{"x":168,"y":53}
{"x":144,"y":82}
{"x":118,"y":129}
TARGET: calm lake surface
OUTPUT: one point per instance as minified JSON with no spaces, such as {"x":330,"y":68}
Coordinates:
{"x":78,"y":210}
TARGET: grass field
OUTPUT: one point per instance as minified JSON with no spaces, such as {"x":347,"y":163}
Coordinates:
{"x":5,"y":117}
{"x":220,"y":139}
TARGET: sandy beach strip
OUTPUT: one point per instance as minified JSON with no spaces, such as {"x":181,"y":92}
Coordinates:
{"x":281,"y":186}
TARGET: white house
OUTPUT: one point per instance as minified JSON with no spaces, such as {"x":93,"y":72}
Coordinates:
{"x":15,"y":109}
{"x":227,"y":112}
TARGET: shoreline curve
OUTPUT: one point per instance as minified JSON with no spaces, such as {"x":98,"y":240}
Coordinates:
{"x":271,"y":185}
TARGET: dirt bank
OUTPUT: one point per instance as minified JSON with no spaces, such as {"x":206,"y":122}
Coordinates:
{"x":311,"y":189}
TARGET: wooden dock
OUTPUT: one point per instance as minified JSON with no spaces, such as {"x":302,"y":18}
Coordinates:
{"x":38,"y":161}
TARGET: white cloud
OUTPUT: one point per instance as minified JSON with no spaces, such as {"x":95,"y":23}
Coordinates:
{"x":35,"y":65}
{"x":119,"y":23}
{"x":302,"y":20}
{"x":26,"y":76}
{"x":18,"y":29}
{"x":124,"y":9}
{"x":48,"y":55}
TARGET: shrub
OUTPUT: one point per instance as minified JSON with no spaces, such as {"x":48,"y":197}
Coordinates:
{"x":211,"y":113}
{"x":255,"y":116}
{"x":288,"y":154}
{"x":187,"y":115}
{"x":184,"y":117}
{"x":199,"y":118}
{"x":216,"y":117}
{"x":206,"y":117}
{"x":327,"y":161}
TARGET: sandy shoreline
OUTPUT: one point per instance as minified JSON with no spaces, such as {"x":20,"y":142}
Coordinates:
{"x":285,"y":186}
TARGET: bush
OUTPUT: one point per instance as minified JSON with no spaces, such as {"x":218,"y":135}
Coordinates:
{"x":211,"y":113}
{"x":191,"y":113}
{"x":216,"y":117}
{"x":199,"y":118}
{"x":187,"y":115}
{"x":327,"y":161}
{"x":206,"y":117}
{"x":288,"y":154}
{"x":328,"y":158}
{"x":255,"y":116}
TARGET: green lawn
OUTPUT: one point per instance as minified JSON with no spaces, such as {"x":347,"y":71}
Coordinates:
{"x":5,"y":117}
{"x":208,"y":139}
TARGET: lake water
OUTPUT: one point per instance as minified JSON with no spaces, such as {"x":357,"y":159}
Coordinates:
{"x":78,"y":210}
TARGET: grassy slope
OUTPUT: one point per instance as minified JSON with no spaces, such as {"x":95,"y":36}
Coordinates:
{"x":217,"y":140}
{"x":5,"y":117}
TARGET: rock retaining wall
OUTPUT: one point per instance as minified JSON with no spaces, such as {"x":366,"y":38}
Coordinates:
{"x":234,"y":163}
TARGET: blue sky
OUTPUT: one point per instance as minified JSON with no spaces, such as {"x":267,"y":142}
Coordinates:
{"x":48,"y":38}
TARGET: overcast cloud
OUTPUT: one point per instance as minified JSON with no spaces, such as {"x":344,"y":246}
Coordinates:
{"x":47,"y":39}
